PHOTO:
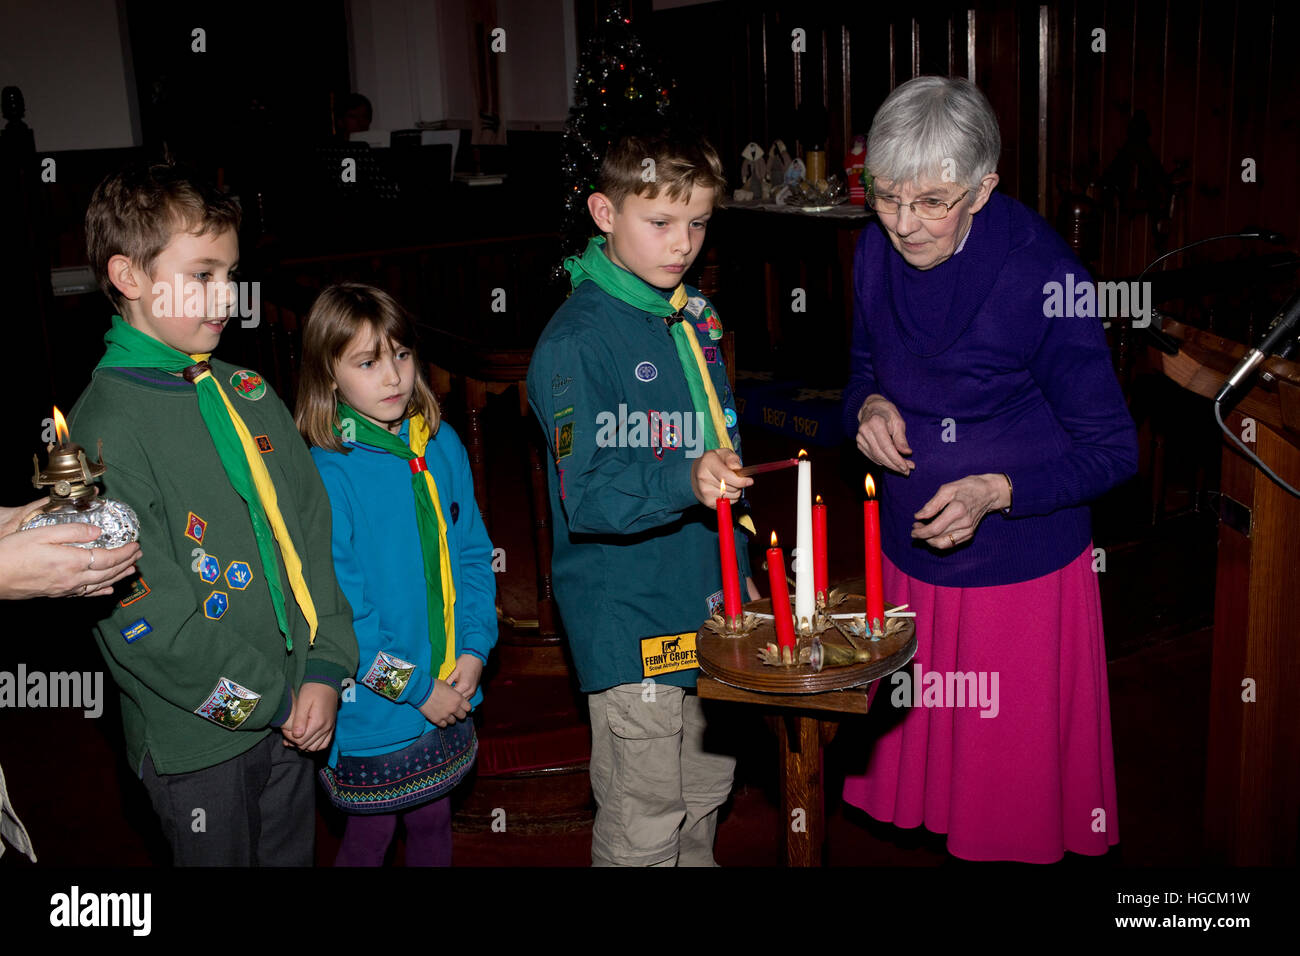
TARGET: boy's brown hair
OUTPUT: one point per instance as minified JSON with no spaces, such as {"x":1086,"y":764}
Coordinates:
{"x":340,"y":313}
{"x":136,"y":212}
{"x":682,"y":161}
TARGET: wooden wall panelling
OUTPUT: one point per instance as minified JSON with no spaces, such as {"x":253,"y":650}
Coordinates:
{"x":1149,"y":73}
{"x":1177,"y":122}
{"x":1245,"y":120}
{"x":1044,"y":39}
{"x":1213,"y":131}
{"x":1279,"y":161}
{"x":997,"y":71}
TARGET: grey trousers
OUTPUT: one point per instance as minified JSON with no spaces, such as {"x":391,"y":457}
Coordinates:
{"x":257,"y":809}
{"x":657,"y":789}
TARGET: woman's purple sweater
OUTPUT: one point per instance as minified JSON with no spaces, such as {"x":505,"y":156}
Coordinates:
{"x":987,"y":382}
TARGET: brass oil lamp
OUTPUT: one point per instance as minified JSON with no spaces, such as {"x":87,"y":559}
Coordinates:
{"x":74,"y":496}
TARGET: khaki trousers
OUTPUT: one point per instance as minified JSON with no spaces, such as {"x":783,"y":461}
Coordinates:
{"x":657,"y":789}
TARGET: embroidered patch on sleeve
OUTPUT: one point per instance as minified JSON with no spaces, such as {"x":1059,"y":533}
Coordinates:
{"x":695,"y":305}
{"x":138,"y":590}
{"x":195,"y":527}
{"x":564,"y":441}
{"x":714,"y":324}
{"x":567,"y":410}
{"x":215,"y":605}
{"x":134,"y":632}
{"x":388,"y":675}
{"x":229,"y":704}
{"x":668,"y":654}
{"x":264,"y":443}
{"x":239,"y":575}
{"x":209,"y":568}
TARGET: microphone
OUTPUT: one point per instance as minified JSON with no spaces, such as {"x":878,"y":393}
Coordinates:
{"x":1267,"y":235}
{"x":1285,"y":326}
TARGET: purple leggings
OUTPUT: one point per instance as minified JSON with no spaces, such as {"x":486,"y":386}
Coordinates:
{"x":428,"y":836}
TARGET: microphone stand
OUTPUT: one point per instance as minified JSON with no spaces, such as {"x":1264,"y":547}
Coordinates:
{"x":1279,"y":339}
{"x":1162,"y":340}
{"x":1281,"y":335}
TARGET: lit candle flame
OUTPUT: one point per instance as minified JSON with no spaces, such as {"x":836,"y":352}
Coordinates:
{"x":870,"y":486}
{"x":60,"y":426}
{"x":819,"y":499}
{"x":802,"y":454}
{"x":774,"y":539}
{"x":722,"y":488}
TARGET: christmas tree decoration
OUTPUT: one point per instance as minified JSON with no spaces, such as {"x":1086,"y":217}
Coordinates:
{"x":599,"y":114}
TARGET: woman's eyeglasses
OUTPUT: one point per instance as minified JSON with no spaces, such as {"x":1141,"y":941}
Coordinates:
{"x":921,"y":208}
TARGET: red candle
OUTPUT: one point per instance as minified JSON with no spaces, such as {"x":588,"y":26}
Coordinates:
{"x":871,"y":526}
{"x":819,"y":548}
{"x":727,"y":553}
{"x":780,"y":600}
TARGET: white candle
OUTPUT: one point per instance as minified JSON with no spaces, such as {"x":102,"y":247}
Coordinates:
{"x":804,"y":594}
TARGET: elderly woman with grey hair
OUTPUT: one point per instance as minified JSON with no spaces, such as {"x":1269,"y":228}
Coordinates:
{"x":993,"y":422}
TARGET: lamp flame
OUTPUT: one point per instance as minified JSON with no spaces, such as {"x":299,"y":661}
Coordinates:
{"x":60,"y":426}
{"x":870,"y":486}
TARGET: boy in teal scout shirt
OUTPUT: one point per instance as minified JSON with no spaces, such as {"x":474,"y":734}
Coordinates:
{"x":234,"y":625}
{"x":629,"y":385}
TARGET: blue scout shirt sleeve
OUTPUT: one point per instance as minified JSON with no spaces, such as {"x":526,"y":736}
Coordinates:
{"x":350,"y":572}
{"x":569,"y":385}
{"x":476,"y":590}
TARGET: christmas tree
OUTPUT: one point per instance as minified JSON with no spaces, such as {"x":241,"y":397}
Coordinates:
{"x":617,"y":86}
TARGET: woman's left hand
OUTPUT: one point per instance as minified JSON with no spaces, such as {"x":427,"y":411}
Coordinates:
{"x":952,"y":515}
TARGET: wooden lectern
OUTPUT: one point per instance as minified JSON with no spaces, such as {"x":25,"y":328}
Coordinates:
{"x":1252,"y":791}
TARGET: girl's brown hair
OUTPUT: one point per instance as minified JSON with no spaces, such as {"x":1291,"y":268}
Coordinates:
{"x":338,"y":315}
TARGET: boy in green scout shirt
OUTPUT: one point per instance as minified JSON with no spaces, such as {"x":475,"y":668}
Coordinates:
{"x":234,"y":625}
{"x":629,"y":385}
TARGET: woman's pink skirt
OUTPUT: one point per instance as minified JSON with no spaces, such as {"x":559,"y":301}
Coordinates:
{"x":1023,"y":768}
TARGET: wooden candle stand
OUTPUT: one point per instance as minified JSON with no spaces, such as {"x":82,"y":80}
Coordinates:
{"x":806,"y":703}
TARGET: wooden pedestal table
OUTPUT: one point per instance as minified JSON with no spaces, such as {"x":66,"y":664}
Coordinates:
{"x":807,"y":707}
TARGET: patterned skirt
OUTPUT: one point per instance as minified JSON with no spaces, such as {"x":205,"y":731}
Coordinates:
{"x":423,"y":771}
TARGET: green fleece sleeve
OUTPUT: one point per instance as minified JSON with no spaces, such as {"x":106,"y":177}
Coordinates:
{"x":603,"y":492}
{"x":332,"y":657}
{"x":163,"y":638}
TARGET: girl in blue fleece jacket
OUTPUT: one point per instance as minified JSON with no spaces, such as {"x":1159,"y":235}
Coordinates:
{"x":413,"y":558}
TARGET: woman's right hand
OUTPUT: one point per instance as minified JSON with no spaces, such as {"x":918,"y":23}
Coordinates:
{"x":882,"y":436}
{"x":40,"y":563}
{"x":445,"y":705}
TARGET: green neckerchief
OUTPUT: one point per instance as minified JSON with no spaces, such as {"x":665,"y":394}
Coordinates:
{"x":593,"y":264}
{"x":428,"y":517}
{"x":128,"y":347}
